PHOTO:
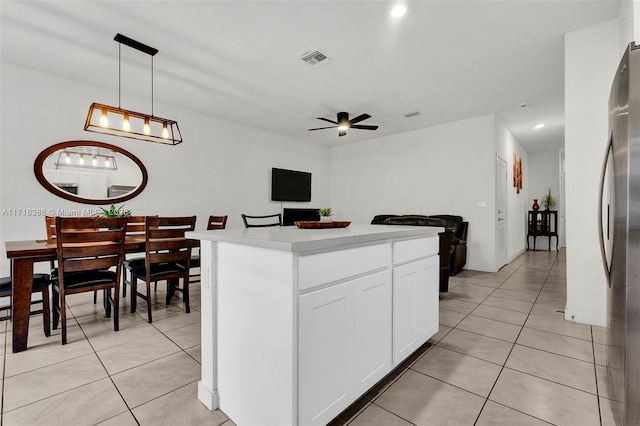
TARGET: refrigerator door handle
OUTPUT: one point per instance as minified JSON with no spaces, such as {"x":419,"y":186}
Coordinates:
{"x":605,"y":235}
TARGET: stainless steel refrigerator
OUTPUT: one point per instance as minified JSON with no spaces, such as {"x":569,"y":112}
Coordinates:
{"x":620,"y":239}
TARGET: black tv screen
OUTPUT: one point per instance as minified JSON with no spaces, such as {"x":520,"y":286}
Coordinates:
{"x":290,"y":185}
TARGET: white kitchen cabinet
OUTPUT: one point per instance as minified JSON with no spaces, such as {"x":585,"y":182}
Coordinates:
{"x":415,"y":306}
{"x":345,"y":344}
{"x":372,"y":336}
{"x":326,"y":353}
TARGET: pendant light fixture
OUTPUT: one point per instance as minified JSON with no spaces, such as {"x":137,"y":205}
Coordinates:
{"x":117,"y":121}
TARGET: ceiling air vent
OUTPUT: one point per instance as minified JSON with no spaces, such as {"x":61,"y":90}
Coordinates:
{"x":412,"y":114}
{"x":315,"y":58}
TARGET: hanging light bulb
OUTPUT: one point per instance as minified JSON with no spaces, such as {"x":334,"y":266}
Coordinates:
{"x":107,"y":163}
{"x":81,"y":160}
{"x":147,"y":128}
{"x":67,"y":158}
{"x":94,"y":162}
{"x":126,"y":126}
{"x":165,"y":131}
{"x":104,"y":122}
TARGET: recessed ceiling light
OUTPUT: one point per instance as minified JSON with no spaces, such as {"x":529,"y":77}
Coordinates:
{"x":398,"y":11}
{"x":539,"y":126}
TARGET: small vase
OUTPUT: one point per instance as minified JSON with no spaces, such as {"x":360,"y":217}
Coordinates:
{"x":535,"y":206}
{"x":326,"y":219}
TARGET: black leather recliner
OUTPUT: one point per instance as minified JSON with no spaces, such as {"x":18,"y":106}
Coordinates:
{"x":445,"y":239}
{"x":459,"y":253}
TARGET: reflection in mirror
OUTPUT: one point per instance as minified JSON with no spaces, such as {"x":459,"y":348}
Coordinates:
{"x":90,"y":172}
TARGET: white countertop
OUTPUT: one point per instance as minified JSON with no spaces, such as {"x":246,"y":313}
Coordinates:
{"x":293,"y":239}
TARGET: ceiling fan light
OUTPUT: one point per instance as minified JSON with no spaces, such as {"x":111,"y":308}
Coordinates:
{"x":343,"y":127}
{"x":398,"y":11}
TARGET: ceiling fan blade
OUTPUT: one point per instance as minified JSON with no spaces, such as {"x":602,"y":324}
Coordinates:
{"x":342,"y":132}
{"x":321,"y":128}
{"x":364,"y":127}
{"x":359,"y":118}
{"x":327,"y":120}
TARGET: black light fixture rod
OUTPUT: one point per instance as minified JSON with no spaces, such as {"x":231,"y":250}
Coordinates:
{"x":135,"y":44}
{"x":152,"y":86}
{"x":119,"y":73}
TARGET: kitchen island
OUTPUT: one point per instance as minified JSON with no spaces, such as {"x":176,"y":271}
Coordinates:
{"x":299,"y":323}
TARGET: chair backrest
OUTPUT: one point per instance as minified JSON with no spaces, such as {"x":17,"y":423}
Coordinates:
{"x":261,"y":221}
{"x":454,"y":222}
{"x":136,"y":226}
{"x":89,"y":243}
{"x":50,"y":222}
{"x":217,"y":222}
{"x":165,"y":241}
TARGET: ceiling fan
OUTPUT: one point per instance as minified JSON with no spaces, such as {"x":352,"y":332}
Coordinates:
{"x":343,"y":123}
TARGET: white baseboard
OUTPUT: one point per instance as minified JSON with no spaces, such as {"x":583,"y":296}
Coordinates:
{"x":207,"y":396}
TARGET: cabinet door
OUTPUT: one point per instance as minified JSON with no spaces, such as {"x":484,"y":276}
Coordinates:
{"x":372,"y":329}
{"x":415,"y":306}
{"x":325,"y":353}
{"x":428,"y":300}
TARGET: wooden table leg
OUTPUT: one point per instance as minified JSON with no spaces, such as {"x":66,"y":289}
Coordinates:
{"x":21,"y":301}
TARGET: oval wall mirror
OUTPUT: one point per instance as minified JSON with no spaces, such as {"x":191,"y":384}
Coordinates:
{"x":90,"y":172}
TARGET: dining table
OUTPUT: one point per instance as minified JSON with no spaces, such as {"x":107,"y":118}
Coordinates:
{"x":23,"y":255}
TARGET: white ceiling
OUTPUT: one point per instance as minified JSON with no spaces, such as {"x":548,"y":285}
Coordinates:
{"x":240,"y":60}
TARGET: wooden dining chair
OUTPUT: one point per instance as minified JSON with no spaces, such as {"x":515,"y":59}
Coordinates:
{"x":40,"y":285}
{"x":261,"y":221}
{"x":135,"y":229}
{"x":215,"y":222}
{"x":167,"y":258}
{"x":50,"y":223}
{"x":90,"y":256}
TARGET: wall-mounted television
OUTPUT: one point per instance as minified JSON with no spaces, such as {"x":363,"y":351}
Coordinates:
{"x":290,"y":185}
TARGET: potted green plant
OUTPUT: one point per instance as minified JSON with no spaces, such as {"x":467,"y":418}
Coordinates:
{"x":114,"y":211}
{"x":325,"y":214}
{"x":548,"y":201}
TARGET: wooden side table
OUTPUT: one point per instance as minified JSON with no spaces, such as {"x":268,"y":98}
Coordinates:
{"x":542,"y":223}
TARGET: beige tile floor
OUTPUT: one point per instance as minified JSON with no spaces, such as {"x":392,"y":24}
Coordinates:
{"x":504,"y":355}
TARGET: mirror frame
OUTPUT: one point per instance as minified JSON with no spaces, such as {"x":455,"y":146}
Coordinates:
{"x":41,"y":158}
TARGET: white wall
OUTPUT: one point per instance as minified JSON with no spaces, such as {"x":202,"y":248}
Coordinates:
{"x":444,"y":169}
{"x":544,"y":174}
{"x":221,"y":168}
{"x":629,"y":21}
{"x":591,"y":58}
{"x":517,"y":203}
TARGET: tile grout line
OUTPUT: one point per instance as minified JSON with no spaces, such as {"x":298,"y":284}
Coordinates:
{"x":549,"y":270}
{"x":595,"y":373}
{"x":110,"y":376}
{"x":514,"y":344}
{"x":103,"y":366}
